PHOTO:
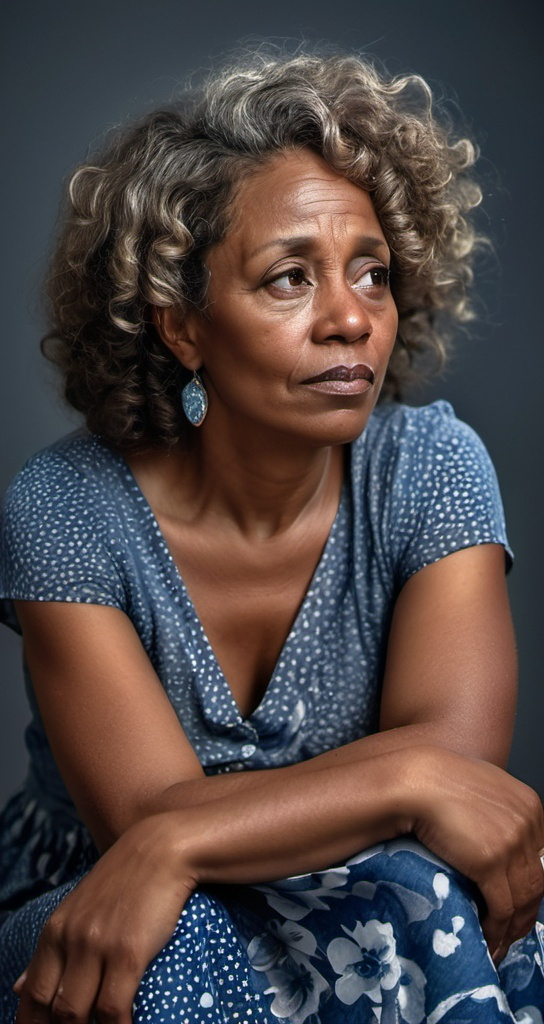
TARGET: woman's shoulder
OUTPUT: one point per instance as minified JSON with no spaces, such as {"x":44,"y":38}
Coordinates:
{"x":66,"y":472}
{"x":77,"y":455}
{"x":57,"y":525}
{"x":397,"y":422}
{"x":397,"y":433}
{"x":427,"y":480}
{"x":69,"y":491}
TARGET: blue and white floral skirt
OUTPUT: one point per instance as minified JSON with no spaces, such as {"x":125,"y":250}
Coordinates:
{"x":390,"y":937}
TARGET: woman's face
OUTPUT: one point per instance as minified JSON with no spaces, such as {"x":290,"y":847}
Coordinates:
{"x":300,"y":321}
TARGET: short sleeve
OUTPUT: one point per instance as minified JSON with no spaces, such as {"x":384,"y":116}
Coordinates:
{"x":445,"y":494}
{"x":53,"y":540}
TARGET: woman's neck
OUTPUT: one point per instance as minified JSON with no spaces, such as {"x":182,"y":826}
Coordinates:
{"x":255,"y":489}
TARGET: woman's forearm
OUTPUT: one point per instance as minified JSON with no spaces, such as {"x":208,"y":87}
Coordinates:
{"x":487,"y":824}
{"x":193,"y":792}
{"x":311,"y":821}
{"x":469,"y":812}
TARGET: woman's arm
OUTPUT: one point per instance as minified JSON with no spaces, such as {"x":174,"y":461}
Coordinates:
{"x":451,"y":657}
{"x":94,"y":950}
{"x":450,"y":674}
{"x":450,"y":678}
{"x":107,"y":717}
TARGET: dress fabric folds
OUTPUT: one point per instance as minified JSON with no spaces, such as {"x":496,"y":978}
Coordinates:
{"x":393,"y":934}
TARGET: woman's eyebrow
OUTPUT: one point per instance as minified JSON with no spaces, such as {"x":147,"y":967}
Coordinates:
{"x":369,"y":242}
{"x":283,"y":243}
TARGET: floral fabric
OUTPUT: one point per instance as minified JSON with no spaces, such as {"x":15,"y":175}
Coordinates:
{"x":392,"y":937}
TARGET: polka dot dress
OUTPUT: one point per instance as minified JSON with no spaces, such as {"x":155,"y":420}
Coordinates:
{"x":76,"y":528}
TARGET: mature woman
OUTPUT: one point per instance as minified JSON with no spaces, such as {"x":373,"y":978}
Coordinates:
{"x":265,"y":620}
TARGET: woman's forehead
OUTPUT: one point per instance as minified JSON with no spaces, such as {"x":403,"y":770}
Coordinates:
{"x":294,"y":193}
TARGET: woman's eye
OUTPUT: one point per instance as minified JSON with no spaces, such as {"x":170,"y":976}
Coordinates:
{"x":376,"y":278}
{"x":290,"y":279}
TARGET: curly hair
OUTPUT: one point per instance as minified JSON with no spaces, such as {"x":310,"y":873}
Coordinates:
{"x":143,"y":215}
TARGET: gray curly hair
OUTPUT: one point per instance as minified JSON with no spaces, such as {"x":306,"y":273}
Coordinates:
{"x":143,"y":215}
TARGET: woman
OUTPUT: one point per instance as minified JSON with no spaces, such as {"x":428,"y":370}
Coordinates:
{"x":265,"y":619}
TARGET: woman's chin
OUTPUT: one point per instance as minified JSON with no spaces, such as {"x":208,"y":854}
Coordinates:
{"x":341,"y":427}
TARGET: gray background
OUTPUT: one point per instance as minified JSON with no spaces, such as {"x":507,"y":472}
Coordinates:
{"x":72,"y":69}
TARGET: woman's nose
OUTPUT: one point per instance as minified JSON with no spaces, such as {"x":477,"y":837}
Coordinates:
{"x":341,"y":316}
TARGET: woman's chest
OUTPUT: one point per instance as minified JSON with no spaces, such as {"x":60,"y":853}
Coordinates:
{"x":246,"y":597}
{"x":300,"y":639}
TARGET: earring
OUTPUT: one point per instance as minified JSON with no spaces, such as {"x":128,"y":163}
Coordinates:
{"x":194,"y":399}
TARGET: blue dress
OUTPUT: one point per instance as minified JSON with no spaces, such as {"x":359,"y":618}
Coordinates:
{"x":393,"y":934}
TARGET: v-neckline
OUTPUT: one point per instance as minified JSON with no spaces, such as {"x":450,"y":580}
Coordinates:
{"x":180,"y":587}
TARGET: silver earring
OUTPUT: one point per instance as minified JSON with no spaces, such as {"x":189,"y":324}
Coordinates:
{"x":194,"y":399}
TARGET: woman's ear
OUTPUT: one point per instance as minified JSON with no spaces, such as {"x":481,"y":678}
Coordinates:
{"x":175,"y":331}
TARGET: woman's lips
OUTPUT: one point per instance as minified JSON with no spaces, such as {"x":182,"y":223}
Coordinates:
{"x":343,"y":380}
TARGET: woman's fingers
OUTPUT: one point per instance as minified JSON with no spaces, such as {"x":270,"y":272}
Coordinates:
{"x":86,"y":988}
{"x":19,"y":983}
{"x":76,"y":994}
{"x":117,"y":993}
{"x":86,"y":992}
{"x":512,"y":892}
{"x":499,"y":910}
{"x":38,"y":985}
{"x":82,"y":991}
{"x":490,"y":827}
{"x":96,"y":946}
{"x":527,"y":887}
{"x":62,"y":980}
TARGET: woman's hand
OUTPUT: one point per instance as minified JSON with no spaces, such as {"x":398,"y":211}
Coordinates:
{"x":96,"y":946}
{"x":490,"y":827}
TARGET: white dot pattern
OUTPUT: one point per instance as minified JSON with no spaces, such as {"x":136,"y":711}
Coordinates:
{"x":202,"y":975}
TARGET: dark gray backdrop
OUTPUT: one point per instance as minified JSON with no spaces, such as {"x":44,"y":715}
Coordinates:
{"x":71,"y":69}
